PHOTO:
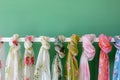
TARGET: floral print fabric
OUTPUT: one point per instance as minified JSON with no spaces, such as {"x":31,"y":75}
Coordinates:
{"x":87,"y":55}
{"x":28,"y":59}
{"x":2,"y":60}
{"x":60,"y":53}
{"x":71,"y":62}
{"x":105,"y":46}
{"x":42,"y":69}
{"x":116,"y":70}
{"x":13,"y":69}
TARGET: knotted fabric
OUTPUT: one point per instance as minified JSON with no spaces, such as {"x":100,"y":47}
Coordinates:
{"x":71,"y":62}
{"x":60,"y":53}
{"x":105,"y":46}
{"x":116,"y":70}
{"x":42,"y":69}
{"x":28,"y":58}
{"x":13,"y":69}
{"x":87,"y":55}
{"x":2,"y":60}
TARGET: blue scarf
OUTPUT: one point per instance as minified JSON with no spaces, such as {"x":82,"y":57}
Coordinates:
{"x":116,"y":72}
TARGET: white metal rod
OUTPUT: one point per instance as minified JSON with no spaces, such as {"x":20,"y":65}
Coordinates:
{"x":22,"y":39}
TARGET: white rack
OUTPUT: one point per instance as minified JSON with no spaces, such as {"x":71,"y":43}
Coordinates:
{"x":22,"y":39}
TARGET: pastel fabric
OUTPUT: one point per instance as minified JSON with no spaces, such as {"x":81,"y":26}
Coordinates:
{"x":13,"y":69}
{"x":2,"y":61}
{"x":71,"y":62}
{"x":106,"y":47}
{"x":42,"y":69}
{"x":116,"y":70}
{"x":60,"y":53}
{"x":28,"y":58}
{"x":87,"y":55}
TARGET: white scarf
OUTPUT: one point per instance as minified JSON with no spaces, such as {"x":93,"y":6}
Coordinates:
{"x":2,"y":61}
{"x":42,"y":69}
{"x":28,"y":59}
{"x":13,"y":69}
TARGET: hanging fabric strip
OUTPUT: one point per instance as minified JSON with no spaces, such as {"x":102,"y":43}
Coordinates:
{"x":87,"y":55}
{"x":116,"y":70}
{"x":2,"y":60}
{"x":42,"y":69}
{"x":105,"y":46}
{"x":13,"y":69}
{"x":60,"y":53}
{"x":71,"y":62}
{"x":28,"y":58}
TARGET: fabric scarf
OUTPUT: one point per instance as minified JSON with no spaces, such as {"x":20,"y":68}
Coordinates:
{"x":71,"y":62}
{"x":28,"y":58}
{"x":2,"y":60}
{"x":87,"y":55}
{"x":116,"y":70}
{"x":105,"y":46}
{"x":42,"y":69}
{"x":13,"y":69}
{"x":60,"y":53}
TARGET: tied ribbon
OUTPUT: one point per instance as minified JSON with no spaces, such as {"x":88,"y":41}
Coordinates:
{"x":87,"y":55}
{"x":105,"y":46}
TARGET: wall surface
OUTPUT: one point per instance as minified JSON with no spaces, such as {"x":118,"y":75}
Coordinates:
{"x":54,"y":17}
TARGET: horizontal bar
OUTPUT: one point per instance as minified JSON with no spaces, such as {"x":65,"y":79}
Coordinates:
{"x":22,"y":39}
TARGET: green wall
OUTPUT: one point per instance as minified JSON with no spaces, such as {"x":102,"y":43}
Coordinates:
{"x":54,"y":17}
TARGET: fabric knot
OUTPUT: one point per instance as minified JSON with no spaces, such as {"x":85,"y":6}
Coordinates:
{"x":44,"y":41}
{"x":72,"y":45}
{"x":28,"y":42}
{"x":104,"y":43}
{"x":14,"y":42}
{"x":117,"y":42}
{"x":88,"y":48}
{"x":59,"y":47}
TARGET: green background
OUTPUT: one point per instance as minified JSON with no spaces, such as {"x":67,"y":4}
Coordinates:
{"x":54,"y":17}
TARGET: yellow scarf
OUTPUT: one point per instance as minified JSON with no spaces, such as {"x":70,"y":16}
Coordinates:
{"x":71,"y":63}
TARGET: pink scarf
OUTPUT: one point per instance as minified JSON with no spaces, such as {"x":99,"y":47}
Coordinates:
{"x":87,"y":55}
{"x":105,"y":46}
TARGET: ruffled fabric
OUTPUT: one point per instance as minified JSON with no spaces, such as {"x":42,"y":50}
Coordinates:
{"x":60,"y":53}
{"x":106,"y":47}
{"x":42,"y":69}
{"x":28,"y":58}
{"x":116,"y":70}
{"x":71,"y":62}
{"x":2,"y":60}
{"x":87,"y":55}
{"x":13,"y":69}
